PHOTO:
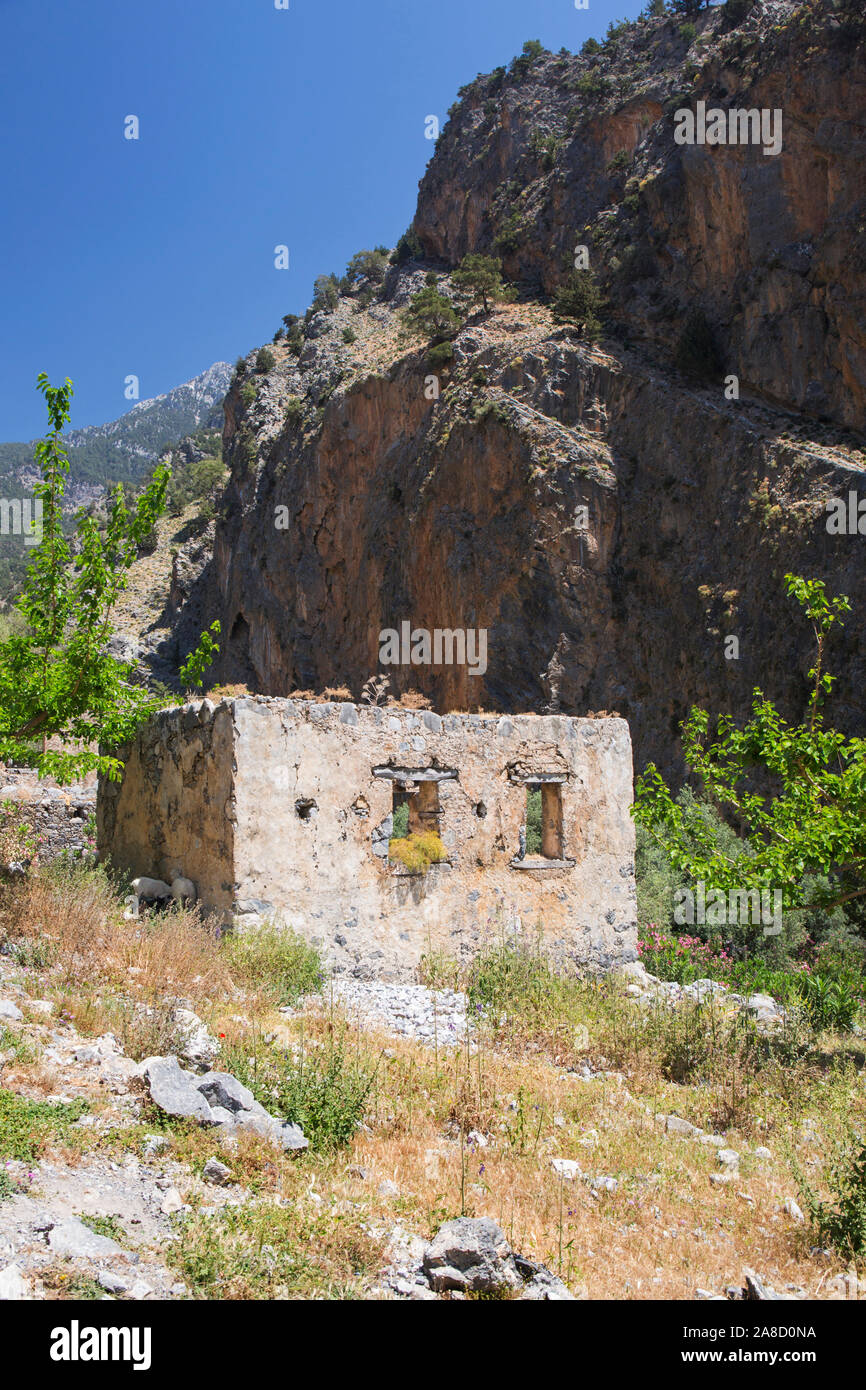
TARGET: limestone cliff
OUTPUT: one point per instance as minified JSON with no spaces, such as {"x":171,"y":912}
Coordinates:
{"x":356,"y":501}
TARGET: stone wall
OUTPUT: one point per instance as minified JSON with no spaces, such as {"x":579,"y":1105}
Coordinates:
{"x":58,"y":817}
{"x":282,"y":809}
{"x":173,"y":812}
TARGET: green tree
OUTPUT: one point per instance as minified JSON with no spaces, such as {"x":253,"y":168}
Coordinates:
{"x":326,"y":293}
{"x":57,"y":678}
{"x":530,"y":54}
{"x":578,"y":301}
{"x":689,"y":8}
{"x":408,"y":248}
{"x":366,"y":265}
{"x":431,"y":313}
{"x":799,"y":791}
{"x":480,"y":277}
{"x":734,"y":11}
{"x":192,"y":671}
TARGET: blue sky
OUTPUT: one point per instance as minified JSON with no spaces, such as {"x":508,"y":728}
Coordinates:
{"x":258,"y":127}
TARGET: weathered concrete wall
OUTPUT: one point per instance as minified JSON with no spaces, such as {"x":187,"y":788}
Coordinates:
{"x":280,"y":808}
{"x":319,"y":870}
{"x":173,"y":812}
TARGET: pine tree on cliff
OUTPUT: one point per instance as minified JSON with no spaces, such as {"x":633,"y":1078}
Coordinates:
{"x":480,"y":277}
{"x":579,"y":301}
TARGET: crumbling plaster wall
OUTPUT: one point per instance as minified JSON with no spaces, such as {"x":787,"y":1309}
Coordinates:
{"x":281,"y":809}
{"x":324,"y":869}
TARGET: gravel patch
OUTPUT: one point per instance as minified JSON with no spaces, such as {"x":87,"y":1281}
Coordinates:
{"x":412,"y":1011}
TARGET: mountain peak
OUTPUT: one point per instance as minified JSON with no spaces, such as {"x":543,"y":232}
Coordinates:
{"x":125,"y":449}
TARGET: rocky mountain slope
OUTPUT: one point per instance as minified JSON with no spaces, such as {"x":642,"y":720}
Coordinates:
{"x":359,"y":499}
{"x":170,"y":427}
{"x":124,"y":450}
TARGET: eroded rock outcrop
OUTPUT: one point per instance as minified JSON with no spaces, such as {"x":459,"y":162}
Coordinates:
{"x":609,"y":522}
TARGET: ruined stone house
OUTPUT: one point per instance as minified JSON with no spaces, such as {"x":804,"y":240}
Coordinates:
{"x":284,"y":809}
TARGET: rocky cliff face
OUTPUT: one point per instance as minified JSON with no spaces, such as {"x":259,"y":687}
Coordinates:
{"x":772,"y":247}
{"x":358,"y":499}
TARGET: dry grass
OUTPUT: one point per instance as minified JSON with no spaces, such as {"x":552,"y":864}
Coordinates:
{"x":66,"y":928}
{"x":76,"y":919}
{"x":666,"y":1229}
{"x":320,"y":1218}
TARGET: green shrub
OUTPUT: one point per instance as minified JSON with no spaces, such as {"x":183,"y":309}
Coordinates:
{"x":591,"y":46}
{"x":511,"y":233}
{"x":247,"y":449}
{"x":276,"y":961}
{"x":533,"y":820}
{"x":616,"y":31}
{"x":249,"y":391}
{"x":26,"y":1124}
{"x":735,"y":11}
{"x":657,"y":880}
{"x":687,"y":1045}
{"x":638,"y":263}
{"x":193,"y":482}
{"x":828,"y":1003}
{"x":688,"y":33}
{"x":840,"y":1222}
{"x":108,"y":1226}
{"x":440,"y":355}
{"x":265,"y":360}
{"x":823,"y":1000}
{"x":349,"y":335}
{"x":514,"y":980}
{"x":530,"y":54}
{"x":265,"y":1251}
{"x":545,"y":148}
{"x":322,"y":1090}
{"x":294,"y":334}
{"x":592,"y":84}
{"x":400,"y":822}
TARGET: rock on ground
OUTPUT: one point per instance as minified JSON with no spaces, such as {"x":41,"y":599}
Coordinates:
{"x":217,"y":1099}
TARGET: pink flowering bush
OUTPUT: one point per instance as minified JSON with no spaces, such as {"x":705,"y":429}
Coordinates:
{"x":826,"y":981}
{"x":682,"y":958}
